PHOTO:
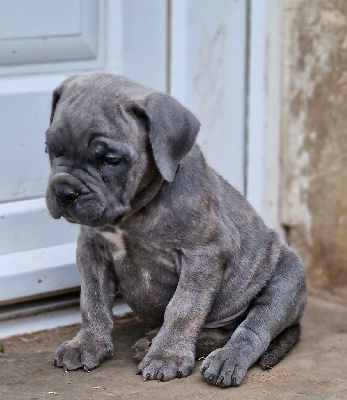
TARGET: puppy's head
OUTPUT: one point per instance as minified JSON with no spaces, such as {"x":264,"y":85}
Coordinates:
{"x":108,"y":138}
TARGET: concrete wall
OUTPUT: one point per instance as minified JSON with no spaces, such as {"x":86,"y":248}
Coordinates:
{"x":314,"y":139}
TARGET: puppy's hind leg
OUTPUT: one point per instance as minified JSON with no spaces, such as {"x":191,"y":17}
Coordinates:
{"x":280,"y":347}
{"x":142,"y":346}
{"x":279,"y":306}
{"x":211,"y":339}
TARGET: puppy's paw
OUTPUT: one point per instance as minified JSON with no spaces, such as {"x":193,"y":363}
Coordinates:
{"x":224,"y":368}
{"x":82,"y":352}
{"x":142,"y":346}
{"x":166,"y":368}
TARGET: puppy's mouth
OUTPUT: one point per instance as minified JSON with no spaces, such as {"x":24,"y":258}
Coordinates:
{"x":83,"y":201}
{"x":90,"y":210}
{"x":69,"y":219}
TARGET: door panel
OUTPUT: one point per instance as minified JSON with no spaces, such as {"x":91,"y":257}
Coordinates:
{"x":29,"y":274}
{"x":195,"y":49}
{"x":38,"y":40}
{"x":145,"y":32}
{"x":26,"y":225}
{"x":38,"y":19}
{"x":37,"y":36}
{"x":37,"y":253}
{"x":208,"y":67}
{"x":28,"y":37}
{"x":24,"y":164}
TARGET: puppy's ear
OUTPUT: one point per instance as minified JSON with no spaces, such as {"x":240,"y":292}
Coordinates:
{"x":56,"y":97}
{"x":172,"y":131}
{"x":58,"y":92}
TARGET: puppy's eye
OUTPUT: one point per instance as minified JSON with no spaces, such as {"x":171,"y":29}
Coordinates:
{"x":112,"y":159}
{"x":100,"y":149}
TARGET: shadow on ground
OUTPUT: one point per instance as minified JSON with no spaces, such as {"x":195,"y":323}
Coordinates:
{"x":315,"y":369}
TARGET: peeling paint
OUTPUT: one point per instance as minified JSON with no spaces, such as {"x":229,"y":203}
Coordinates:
{"x":314,"y":139}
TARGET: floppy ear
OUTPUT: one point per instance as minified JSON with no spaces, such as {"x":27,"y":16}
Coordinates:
{"x":172,"y":131}
{"x":58,"y":92}
{"x":56,"y":96}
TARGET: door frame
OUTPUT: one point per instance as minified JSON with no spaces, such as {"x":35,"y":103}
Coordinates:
{"x":264,"y":110}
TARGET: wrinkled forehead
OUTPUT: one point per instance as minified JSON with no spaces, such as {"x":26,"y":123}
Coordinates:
{"x":78,"y":120}
{"x":82,"y":121}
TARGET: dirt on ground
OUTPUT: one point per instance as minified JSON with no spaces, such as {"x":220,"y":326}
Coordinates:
{"x":315,"y":369}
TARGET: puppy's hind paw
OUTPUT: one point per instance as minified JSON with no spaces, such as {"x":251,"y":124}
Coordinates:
{"x":142,"y":346}
{"x":279,"y":347}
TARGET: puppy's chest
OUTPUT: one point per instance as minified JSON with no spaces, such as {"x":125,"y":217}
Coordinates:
{"x":143,"y":267}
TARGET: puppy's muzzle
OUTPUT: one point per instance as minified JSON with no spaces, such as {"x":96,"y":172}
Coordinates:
{"x":65,"y":194}
{"x":66,"y":189}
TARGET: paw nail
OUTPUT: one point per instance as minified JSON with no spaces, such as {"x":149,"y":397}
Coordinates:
{"x":65,"y":368}
{"x":139,"y":372}
{"x":161,"y":377}
{"x":211,"y":377}
{"x":147,"y":377}
{"x":85,"y":368}
{"x":220,"y":380}
{"x":54,"y":363}
{"x":179,"y":374}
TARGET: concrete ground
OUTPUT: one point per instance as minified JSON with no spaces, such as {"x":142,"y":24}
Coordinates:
{"x":315,"y":369}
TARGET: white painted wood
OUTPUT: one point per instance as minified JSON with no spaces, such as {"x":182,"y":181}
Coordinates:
{"x":38,"y":19}
{"x":30,"y":32}
{"x":37,"y":252}
{"x":23,"y":120}
{"x":54,"y":41}
{"x":50,"y":320}
{"x":195,"y":48}
{"x":144,"y":42}
{"x":208,"y":75}
{"x":35,"y":323}
{"x":26,"y":225}
{"x":43,"y":43}
{"x":264,"y":110}
{"x":114,"y":37}
{"x":30,"y":273}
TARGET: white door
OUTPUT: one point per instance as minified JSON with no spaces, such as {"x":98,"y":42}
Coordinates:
{"x":195,"y":49}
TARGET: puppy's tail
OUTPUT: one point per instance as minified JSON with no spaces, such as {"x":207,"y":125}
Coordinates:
{"x":280,"y":347}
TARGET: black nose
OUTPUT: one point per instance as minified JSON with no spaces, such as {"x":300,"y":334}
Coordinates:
{"x":65,"y":194}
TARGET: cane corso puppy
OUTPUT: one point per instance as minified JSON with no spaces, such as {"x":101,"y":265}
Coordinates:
{"x":186,"y":251}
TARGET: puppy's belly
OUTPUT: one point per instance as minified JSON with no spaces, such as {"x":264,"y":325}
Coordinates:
{"x":146,"y":291}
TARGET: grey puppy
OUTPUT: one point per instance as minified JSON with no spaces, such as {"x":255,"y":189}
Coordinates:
{"x":186,"y":251}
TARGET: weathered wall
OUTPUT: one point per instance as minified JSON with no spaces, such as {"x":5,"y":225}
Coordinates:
{"x":314,"y":139}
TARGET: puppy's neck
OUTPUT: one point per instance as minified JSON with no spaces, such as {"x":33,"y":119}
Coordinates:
{"x":149,"y":176}
{"x":147,"y":190}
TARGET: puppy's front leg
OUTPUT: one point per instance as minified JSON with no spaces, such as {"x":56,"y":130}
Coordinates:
{"x":93,"y":343}
{"x":172,"y":353}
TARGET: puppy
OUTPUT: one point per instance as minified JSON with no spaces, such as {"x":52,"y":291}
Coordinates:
{"x":186,"y":251}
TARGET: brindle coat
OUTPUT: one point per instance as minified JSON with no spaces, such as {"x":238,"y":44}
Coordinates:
{"x":183,"y":247}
